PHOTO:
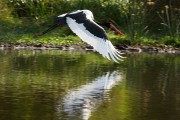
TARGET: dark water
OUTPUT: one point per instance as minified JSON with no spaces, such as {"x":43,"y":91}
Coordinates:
{"x":71,"y":85}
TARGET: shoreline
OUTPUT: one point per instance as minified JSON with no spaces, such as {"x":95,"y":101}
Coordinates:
{"x":124,"y":49}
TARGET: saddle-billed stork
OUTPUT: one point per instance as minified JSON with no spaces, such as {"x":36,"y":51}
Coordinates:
{"x":82,"y":23}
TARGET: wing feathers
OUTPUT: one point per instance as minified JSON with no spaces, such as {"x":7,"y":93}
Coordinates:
{"x":103,"y":46}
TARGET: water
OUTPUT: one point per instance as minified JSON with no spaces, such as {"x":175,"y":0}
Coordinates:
{"x":72,"y":85}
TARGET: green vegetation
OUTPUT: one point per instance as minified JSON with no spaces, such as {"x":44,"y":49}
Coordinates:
{"x":142,"y":21}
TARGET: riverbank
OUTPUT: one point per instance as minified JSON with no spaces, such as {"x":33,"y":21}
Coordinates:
{"x":20,"y":21}
{"x":123,"y":48}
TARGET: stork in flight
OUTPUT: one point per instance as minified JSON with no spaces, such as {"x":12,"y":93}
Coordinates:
{"x":82,"y":23}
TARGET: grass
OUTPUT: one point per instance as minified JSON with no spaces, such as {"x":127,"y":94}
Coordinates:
{"x":21,"y":19}
{"x":23,"y":33}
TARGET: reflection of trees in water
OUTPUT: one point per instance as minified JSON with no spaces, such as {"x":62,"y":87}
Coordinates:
{"x":38,"y":80}
{"x":152,"y":69}
{"x":59,"y":63}
{"x":80,"y":102}
{"x":156,"y":76}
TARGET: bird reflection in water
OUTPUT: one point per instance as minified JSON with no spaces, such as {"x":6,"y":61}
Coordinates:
{"x":82,"y":101}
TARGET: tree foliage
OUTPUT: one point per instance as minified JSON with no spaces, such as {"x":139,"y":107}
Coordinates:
{"x":137,"y":18}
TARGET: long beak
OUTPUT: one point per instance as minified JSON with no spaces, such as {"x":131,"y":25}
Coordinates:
{"x":115,"y":29}
{"x":49,"y":29}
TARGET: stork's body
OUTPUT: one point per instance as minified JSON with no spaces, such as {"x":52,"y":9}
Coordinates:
{"x":81,"y":22}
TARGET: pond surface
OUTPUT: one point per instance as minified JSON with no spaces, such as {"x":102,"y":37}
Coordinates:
{"x":72,"y":85}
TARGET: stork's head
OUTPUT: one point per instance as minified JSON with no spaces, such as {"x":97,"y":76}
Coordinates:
{"x":111,"y":26}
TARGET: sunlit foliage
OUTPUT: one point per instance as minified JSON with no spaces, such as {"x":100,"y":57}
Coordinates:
{"x":152,"y":19}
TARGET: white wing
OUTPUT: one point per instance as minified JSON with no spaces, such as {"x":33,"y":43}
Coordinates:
{"x":103,"y":46}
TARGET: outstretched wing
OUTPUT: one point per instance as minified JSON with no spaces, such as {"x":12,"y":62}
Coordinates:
{"x":93,"y":34}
